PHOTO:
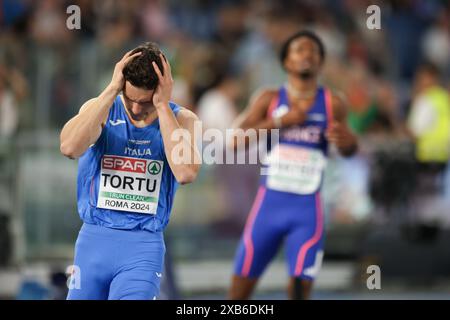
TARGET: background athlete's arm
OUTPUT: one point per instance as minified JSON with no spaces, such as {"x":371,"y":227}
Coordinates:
{"x":177,"y":132}
{"x":255,"y":117}
{"x":85,"y":128}
{"x":338,"y":132}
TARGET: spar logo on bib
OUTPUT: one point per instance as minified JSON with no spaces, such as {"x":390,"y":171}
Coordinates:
{"x":130,"y":184}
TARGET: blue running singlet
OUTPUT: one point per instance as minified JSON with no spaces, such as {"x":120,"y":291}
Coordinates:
{"x":125,"y":194}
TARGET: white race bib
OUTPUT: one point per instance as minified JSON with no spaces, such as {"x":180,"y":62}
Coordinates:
{"x":295,"y":169}
{"x":130,"y":184}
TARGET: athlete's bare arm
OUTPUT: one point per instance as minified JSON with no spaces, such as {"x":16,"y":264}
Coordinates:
{"x":177,"y":132}
{"x":85,"y":128}
{"x":179,"y":143}
{"x":255,"y":116}
{"x":339,"y":133}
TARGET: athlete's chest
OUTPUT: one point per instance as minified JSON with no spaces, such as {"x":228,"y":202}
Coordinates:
{"x":133,"y":142}
{"x":132,"y":168}
{"x":311,"y":131}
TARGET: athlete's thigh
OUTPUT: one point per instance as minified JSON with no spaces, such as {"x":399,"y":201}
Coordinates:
{"x":92,"y":271}
{"x":139,"y":275}
{"x":304,"y":243}
{"x":136,"y":284}
{"x":261,"y":239}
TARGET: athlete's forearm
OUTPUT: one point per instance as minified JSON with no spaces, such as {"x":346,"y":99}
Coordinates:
{"x":296,"y":117}
{"x":240,"y":138}
{"x":176,"y":138}
{"x":85,"y":128}
{"x":267,"y":123}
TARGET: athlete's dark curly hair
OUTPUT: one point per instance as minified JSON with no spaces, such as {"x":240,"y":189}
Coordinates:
{"x":139,"y":71}
{"x":303,"y":33}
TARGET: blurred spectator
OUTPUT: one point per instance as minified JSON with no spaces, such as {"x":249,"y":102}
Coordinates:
{"x":231,"y":23}
{"x":13,"y":89}
{"x":217,"y":109}
{"x":8,"y":112}
{"x":116,"y":33}
{"x":362,"y":109}
{"x":89,"y":19}
{"x":406,"y":24}
{"x":364,"y":43}
{"x":429,"y":123}
{"x":273,"y":27}
{"x":12,"y":11}
{"x":436,"y":42}
{"x":346,"y":190}
{"x":429,"y":119}
{"x":155,"y":20}
{"x":48,"y":24}
{"x":372,"y":104}
{"x":333,"y":38}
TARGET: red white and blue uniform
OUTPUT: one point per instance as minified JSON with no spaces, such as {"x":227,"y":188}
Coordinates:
{"x":288,"y":206}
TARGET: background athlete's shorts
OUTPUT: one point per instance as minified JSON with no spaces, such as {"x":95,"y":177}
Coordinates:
{"x":276,"y":217}
{"x":117,"y":264}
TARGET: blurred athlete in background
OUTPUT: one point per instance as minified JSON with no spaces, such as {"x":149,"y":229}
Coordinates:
{"x":288,"y":204}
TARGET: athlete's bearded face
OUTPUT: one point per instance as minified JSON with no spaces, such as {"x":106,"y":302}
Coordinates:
{"x":303,"y":58}
{"x":138,"y":101}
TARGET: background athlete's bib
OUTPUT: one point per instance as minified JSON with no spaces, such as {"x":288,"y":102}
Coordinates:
{"x":295,"y":169}
{"x":130,"y":184}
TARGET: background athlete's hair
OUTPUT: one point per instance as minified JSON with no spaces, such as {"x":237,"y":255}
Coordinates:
{"x":303,"y":33}
{"x":139,"y":72}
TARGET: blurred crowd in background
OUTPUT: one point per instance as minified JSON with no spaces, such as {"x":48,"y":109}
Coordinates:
{"x":395,"y":80}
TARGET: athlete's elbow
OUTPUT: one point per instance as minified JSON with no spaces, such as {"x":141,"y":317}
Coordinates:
{"x":68,"y":150}
{"x":185,"y":179}
{"x":348,"y":151}
{"x":188,"y":175}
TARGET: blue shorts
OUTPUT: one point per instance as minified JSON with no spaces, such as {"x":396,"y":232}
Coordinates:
{"x":276,"y":217}
{"x":114,"y":264}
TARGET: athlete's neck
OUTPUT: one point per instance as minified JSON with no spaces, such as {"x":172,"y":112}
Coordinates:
{"x":148,"y":119}
{"x":302,"y":88}
{"x":151,"y":116}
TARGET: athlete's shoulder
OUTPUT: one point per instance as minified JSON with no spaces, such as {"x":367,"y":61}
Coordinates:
{"x":176,"y":108}
{"x":86,"y":105}
{"x":186,"y":114}
{"x":262,"y":97}
{"x":266,"y":93}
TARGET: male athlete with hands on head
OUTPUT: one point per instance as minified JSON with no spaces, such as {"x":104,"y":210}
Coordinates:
{"x":127,"y":177}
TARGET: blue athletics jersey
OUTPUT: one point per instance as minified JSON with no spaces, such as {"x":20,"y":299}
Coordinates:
{"x":124,"y":179}
{"x":297,"y":162}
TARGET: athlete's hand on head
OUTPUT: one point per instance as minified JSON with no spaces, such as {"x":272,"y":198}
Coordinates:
{"x":163,"y":92}
{"x":118,"y":80}
{"x":339,"y":134}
